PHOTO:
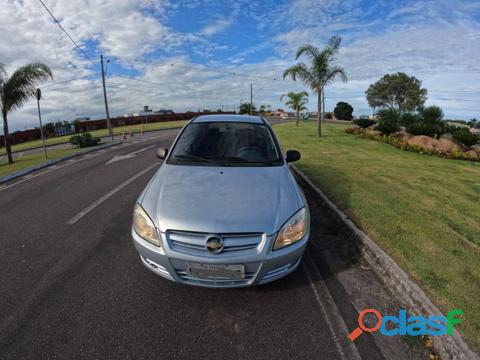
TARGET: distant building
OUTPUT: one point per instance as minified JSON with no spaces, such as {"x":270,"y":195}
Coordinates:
{"x":64,"y":129}
{"x":278,"y":112}
{"x":163,"y":112}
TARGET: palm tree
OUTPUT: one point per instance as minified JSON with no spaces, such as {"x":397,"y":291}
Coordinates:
{"x":17,"y":90}
{"x":296,"y":102}
{"x":319,"y":73}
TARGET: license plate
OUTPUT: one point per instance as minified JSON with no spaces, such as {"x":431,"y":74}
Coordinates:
{"x":216,"y":271}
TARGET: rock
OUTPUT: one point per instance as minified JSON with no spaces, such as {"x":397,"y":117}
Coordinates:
{"x":476,"y":147}
{"x":372,"y":132}
{"x":447,"y":146}
{"x":423,"y":141}
{"x":472,"y":154}
{"x":402,"y":134}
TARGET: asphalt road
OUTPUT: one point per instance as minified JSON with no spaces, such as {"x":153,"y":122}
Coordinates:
{"x":79,"y":291}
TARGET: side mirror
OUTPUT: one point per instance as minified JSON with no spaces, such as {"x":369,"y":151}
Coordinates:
{"x":162,"y":153}
{"x":292,"y":155}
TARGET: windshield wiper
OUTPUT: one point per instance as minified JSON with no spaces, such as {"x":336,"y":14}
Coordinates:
{"x":228,"y":158}
{"x":238,"y":160}
{"x":191,"y":157}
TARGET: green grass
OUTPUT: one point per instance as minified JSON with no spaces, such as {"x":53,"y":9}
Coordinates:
{"x":34,"y":159}
{"x":99,"y":133}
{"x":424,"y":211}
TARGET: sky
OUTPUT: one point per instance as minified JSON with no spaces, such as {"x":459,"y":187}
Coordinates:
{"x":192,"y":54}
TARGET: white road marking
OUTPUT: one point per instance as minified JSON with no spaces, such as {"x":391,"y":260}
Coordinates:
{"x":112,"y":192}
{"x":71,"y":161}
{"x":127,"y":156}
{"x":328,"y":314}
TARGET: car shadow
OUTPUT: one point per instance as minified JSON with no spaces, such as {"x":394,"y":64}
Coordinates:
{"x":331,"y":246}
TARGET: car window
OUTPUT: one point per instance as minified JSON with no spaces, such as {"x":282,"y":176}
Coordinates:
{"x":226,"y":143}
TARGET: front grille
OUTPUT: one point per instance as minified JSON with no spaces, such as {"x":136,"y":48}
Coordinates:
{"x":193,"y":243}
{"x":187,"y":278}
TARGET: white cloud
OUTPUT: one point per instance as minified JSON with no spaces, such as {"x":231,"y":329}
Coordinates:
{"x":218,"y":26}
{"x":433,"y":40}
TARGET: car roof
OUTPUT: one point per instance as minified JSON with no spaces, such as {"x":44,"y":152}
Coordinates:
{"x":229,"y":118}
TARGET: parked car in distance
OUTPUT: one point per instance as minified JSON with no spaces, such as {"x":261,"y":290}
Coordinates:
{"x":223,"y":210}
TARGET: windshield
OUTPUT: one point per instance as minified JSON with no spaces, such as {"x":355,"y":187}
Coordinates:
{"x":226,"y":144}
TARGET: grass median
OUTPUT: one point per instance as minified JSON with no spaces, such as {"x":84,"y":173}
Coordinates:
{"x":424,"y":211}
{"x":98,"y":133}
{"x":34,"y":159}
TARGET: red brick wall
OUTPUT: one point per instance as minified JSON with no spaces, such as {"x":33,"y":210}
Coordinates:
{"x":22,"y":136}
{"x":34,"y":134}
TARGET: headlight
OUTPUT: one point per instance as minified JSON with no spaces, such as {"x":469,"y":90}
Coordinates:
{"x":293,"y":230}
{"x":144,"y":226}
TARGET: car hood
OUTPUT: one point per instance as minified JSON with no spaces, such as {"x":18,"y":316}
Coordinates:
{"x":221,"y":199}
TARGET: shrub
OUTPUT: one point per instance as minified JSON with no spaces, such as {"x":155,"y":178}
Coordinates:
{"x":388,"y":121}
{"x":328,"y":116}
{"x":466,"y":137}
{"x":84,"y":140}
{"x":407,"y":119}
{"x":429,"y":122}
{"x":364,"y":122}
{"x":421,"y":128}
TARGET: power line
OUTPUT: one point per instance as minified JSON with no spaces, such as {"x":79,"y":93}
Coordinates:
{"x":67,"y":81}
{"x":66,"y":33}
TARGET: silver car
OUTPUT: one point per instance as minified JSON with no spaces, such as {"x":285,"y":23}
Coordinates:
{"x":223,"y":210}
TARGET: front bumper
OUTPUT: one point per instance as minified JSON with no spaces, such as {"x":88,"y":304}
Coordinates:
{"x":261,"y":266}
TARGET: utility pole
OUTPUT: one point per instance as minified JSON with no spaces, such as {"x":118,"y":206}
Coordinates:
{"x":107,"y":113}
{"x":251,"y":99}
{"x":39,"y":96}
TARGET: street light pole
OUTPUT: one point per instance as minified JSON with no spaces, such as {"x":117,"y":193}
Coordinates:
{"x":39,"y":96}
{"x":107,"y":113}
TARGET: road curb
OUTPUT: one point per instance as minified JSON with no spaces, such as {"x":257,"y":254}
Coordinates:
{"x":31,"y":169}
{"x":398,"y":283}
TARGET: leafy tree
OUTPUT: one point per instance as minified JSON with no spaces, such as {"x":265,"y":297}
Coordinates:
{"x":343,"y":111}
{"x":265,"y":108}
{"x":319,"y":72}
{"x":245,"y":108}
{"x":49,"y":129}
{"x":16,"y":90}
{"x":388,"y":120}
{"x":431,"y":114}
{"x":398,"y":92}
{"x":297,"y":102}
